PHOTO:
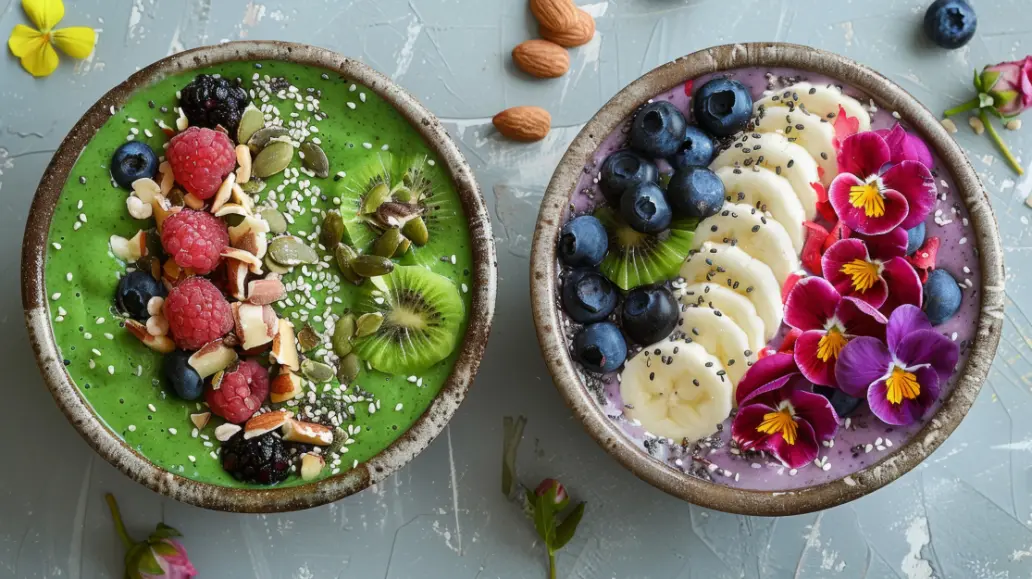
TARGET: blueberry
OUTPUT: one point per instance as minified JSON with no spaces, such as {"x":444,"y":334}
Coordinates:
{"x":645,"y":209}
{"x":650,"y":314}
{"x":623,"y":170}
{"x":695,"y":192}
{"x":133,"y":160}
{"x":185,"y":381}
{"x":583,"y":242}
{"x":941,"y":296}
{"x":695,"y":151}
{"x":135,"y":290}
{"x":600,"y":347}
{"x":657,"y":130}
{"x":843,"y":403}
{"x":915,"y":238}
{"x":950,"y":23}
{"x":723,"y":107}
{"x":588,"y":296}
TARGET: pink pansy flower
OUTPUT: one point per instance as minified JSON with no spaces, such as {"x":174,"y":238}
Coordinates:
{"x":874,"y":270}
{"x":828,"y":322}
{"x":777,"y":412}
{"x":874,"y":202}
{"x":905,"y":146}
{"x":903,"y":375}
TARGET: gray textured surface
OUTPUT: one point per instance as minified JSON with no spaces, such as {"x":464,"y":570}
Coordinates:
{"x":966,"y":512}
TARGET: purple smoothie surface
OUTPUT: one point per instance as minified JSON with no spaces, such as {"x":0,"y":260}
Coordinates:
{"x":862,"y":440}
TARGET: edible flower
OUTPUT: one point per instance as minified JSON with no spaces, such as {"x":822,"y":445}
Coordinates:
{"x":778,"y":414}
{"x":906,"y":146}
{"x":872,"y":200}
{"x":903,"y":375}
{"x":1005,"y":91}
{"x":874,"y":270}
{"x":160,"y":555}
{"x":35,"y":47}
{"x":828,"y":322}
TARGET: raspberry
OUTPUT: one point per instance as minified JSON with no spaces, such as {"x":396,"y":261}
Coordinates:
{"x":194,"y":239}
{"x":240,"y":393}
{"x":201,"y":159}
{"x":197,"y":313}
{"x":210,"y":102}
{"x":261,"y":460}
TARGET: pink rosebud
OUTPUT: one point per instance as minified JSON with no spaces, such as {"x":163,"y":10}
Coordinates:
{"x":561,"y":498}
{"x":1010,"y":85}
{"x":171,"y":557}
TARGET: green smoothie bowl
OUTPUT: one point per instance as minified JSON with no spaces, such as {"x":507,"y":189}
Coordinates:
{"x":258,"y":277}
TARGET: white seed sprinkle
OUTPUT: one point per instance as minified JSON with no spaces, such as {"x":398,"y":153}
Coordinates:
{"x":96,"y":352}
{"x":82,"y":217}
{"x":351,"y":105}
{"x":399,"y":407}
{"x":367,"y":145}
{"x":151,"y":408}
{"x":191,"y":457}
{"x":111,"y":370}
{"x":68,"y":276}
{"x":465,"y":288}
{"x":56,"y":296}
{"x":132,"y":428}
{"x":173,"y":431}
{"x":56,"y":245}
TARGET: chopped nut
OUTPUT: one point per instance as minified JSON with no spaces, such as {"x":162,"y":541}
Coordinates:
{"x":1013,"y":125}
{"x":200,"y":420}
{"x":226,"y":431}
{"x":977,"y":125}
{"x":949,"y":125}
{"x":311,"y":466}
{"x":265,"y":423}
{"x":243,"y":156}
{"x":157,"y":325}
{"x":307,"y":432}
{"x":137,"y":208}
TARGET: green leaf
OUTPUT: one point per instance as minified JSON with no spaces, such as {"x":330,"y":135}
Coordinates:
{"x":513,"y":435}
{"x":147,"y":563}
{"x":544,"y":518}
{"x":989,"y":80}
{"x":985,"y":100}
{"x":566,"y":529}
{"x":163,"y":531}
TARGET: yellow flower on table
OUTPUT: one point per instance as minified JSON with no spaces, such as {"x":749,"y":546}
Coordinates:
{"x":35,"y":46}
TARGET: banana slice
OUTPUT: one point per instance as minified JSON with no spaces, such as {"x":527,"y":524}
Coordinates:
{"x":731,"y":267}
{"x":822,"y":100}
{"x":812,"y":132}
{"x":721,"y":337}
{"x":775,"y":152}
{"x":737,"y":307}
{"x":749,"y":229}
{"x":676,"y":394}
{"x":768,"y":192}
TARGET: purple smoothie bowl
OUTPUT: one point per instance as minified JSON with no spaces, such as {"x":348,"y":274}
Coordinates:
{"x":866,"y":454}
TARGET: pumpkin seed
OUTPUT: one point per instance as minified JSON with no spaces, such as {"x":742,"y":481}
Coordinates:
{"x":317,"y":371}
{"x":263,"y":136}
{"x":315,"y":159}
{"x":332,"y":232}
{"x":277,"y":223}
{"x":344,"y":254}
{"x":368,"y":324}
{"x":350,"y":365}
{"x":371,"y":265}
{"x":416,"y":231}
{"x":274,"y":267}
{"x":273,"y":159}
{"x":403,"y":247}
{"x":253,"y":185}
{"x":291,"y":251}
{"x":250,"y":121}
{"x":308,"y":339}
{"x":342,"y":334}
{"x":388,"y":243}
{"x":375,"y":197}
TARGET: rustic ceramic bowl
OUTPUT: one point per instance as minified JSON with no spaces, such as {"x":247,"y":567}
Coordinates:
{"x":544,"y":267}
{"x":108,"y":443}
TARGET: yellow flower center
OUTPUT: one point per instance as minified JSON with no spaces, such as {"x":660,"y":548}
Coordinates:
{"x":864,"y":273}
{"x":869,"y":198}
{"x":780,"y":421}
{"x":901,"y":384}
{"x":831,"y":345}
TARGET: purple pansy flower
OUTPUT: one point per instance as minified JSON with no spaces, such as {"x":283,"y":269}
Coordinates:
{"x":873,"y":202}
{"x":873,"y":269}
{"x":828,"y":322}
{"x":906,"y":146}
{"x":902,"y":376}
{"x":777,"y":412}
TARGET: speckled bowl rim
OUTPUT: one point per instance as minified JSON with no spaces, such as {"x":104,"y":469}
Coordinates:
{"x":544,"y":273}
{"x":106,"y":442}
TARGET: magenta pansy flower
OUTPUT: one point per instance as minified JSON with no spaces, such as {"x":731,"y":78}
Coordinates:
{"x":903,"y":375}
{"x":871,"y":201}
{"x":777,"y":412}
{"x":906,"y":146}
{"x":828,"y":322}
{"x":874,"y":270}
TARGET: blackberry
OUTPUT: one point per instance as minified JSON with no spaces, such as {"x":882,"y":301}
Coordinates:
{"x":261,"y":460}
{"x":210,"y":102}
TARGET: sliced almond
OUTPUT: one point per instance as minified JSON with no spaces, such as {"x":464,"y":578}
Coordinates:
{"x":255,"y":325}
{"x":224,"y":193}
{"x":193,"y":202}
{"x":251,"y":235}
{"x":236,"y":274}
{"x":121,"y":249}
{"x":253,"y":263}
{"x":284,"y":346}
{"x":265,"y":291}
{"x":138,"y":244}
{"x":240,"y":197}
{"x":224,"y":432}
{"x":307,"y":432}
{"x":285,"y":386}
{"x":311,"y":466}
{"x":211,"y":358}
{"x":200,"y":420}
{"x":162,"y":344}
{"x":146,"y":189}
{"x":232,"y":209}
{"x":167,"y":178}
{"x":243,"y":157}
{"x":265,"y":423}
{"x":161,"y":209}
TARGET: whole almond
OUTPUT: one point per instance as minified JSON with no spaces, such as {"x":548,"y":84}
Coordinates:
{"x":541,"y":58}
{"x":554,"y":14}
{"x":526,"y":124}
{"x":577,"y":35}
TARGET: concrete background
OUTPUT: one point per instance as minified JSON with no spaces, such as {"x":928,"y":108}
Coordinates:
{"x":965,"y":513}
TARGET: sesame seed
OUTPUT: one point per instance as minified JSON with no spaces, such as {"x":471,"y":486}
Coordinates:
{"x":151,"y":408}
{"x":56,"y":296}
{"x":111,"y":370}
{"x":399,"y":407}
{"x":132,"y":428}
{"x":173,"y":431}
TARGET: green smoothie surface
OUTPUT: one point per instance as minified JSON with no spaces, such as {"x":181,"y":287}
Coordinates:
{"x":121,"y":378}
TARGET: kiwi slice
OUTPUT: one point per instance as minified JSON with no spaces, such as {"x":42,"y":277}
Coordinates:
{"x":422,"y":318}
{"x":635,"y":259}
